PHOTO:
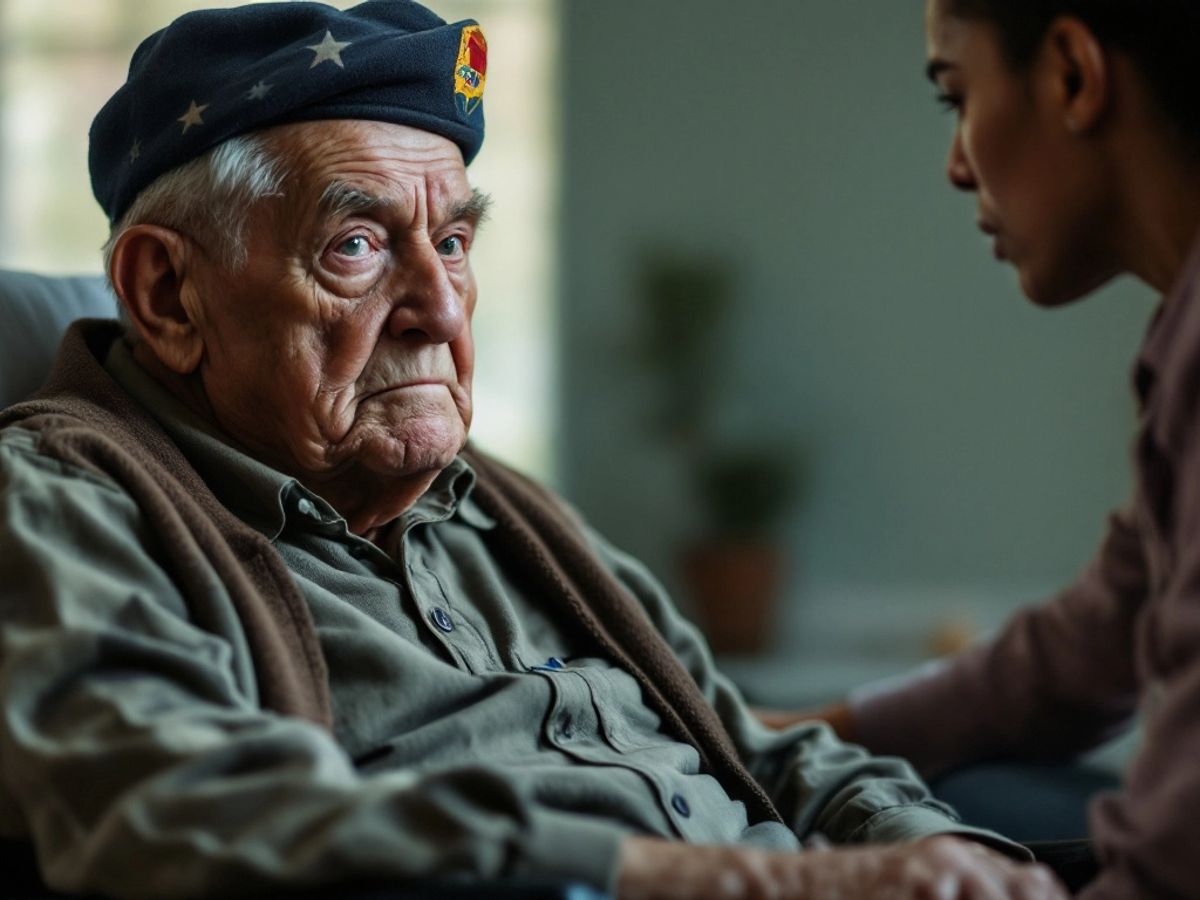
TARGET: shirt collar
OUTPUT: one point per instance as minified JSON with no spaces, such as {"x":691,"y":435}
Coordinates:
{"x":452,"y":492}
{"x":259,"y":495}
{"x":448,"y":497}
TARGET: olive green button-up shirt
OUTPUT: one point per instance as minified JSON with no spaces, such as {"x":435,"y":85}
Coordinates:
{"x":472,"y":733}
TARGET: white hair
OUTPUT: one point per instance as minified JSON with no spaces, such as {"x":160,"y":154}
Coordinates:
{"x":209,"y":198}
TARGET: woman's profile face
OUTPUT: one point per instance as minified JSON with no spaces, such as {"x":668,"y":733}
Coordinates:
{"x":1035,"y":199}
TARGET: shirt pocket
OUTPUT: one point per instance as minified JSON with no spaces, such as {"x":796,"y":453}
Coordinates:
{"x":627,"y":723}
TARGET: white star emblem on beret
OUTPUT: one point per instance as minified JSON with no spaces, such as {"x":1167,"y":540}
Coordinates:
{"x":259,"y":90}
{"x":136,"y":150}
{"x":192,"y":116}
{"x":328,"y":50}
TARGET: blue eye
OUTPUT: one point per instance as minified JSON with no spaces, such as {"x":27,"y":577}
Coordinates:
{"x":451,"y":246}
{"x":356,"y":246}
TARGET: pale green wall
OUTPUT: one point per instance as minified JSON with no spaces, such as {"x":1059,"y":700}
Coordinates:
{"x":958,"y":435}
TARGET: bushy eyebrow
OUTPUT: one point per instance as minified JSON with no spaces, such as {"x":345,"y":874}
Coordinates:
{"x":474,"y":211}
{"x":341,"y":199}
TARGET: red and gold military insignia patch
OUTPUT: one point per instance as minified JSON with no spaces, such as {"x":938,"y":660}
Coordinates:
{"x":470,"y":71}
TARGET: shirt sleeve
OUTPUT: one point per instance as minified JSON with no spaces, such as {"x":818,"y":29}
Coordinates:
{"x":818,"y":783}
{"x":1058,"y":680}
{"x":1147,"y":834}
{"x":136,"y":757}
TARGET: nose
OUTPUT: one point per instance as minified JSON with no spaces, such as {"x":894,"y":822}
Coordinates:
{"x":958,"y":170}
{"x":428,"y":306}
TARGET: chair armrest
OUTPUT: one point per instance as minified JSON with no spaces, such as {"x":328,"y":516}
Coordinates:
{"x":21,"y":880}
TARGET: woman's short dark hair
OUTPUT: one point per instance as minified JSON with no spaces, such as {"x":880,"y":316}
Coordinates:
{"x":1161,"y":37}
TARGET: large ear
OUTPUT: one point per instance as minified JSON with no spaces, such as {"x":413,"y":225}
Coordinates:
{"x":148,"y":270}
{"x":1080,"y":71}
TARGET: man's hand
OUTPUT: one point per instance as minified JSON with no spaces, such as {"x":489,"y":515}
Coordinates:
{"x":937,"y":868}
{"x":836,"y":715}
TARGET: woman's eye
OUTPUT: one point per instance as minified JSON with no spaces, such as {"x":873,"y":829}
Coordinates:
{"x":451,"y":246}
{"x":355,"y":247}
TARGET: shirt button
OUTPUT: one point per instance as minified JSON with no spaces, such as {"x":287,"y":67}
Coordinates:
{"x":681,"y":806}
{"x":442,"y":619}
{"x":306,"y":508}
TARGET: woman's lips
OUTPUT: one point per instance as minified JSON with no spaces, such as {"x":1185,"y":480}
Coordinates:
{"x":990,"y":229}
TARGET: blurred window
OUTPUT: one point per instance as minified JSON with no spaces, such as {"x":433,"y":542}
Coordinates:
{"x":60,"y":60}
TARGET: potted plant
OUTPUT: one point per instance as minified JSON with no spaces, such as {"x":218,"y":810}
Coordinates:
{"x":733,"y":564}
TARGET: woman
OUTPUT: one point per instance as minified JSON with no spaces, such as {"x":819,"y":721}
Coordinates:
{"x":1078,"y":131}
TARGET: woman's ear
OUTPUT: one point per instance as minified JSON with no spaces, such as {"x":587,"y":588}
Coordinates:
{"x":1080,"y":72}
{"x":148,"y":268}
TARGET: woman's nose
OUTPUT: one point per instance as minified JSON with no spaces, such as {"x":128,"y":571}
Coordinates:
{"x":958,"y":170}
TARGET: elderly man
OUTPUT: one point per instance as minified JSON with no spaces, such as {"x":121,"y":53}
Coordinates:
{"x":268,"y":625}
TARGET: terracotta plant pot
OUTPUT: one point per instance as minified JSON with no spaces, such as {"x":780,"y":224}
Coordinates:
{"x":734,"y":587}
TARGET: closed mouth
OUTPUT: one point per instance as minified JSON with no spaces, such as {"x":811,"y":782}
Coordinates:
{"x":400,"y":387}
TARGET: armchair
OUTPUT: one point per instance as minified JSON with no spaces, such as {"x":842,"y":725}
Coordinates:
{"x":35,"y":310}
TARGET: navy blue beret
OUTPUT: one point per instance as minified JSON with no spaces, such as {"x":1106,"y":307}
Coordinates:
{"x":214,"y":74}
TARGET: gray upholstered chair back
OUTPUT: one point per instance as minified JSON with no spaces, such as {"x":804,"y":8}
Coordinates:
{"x":35,"y":310}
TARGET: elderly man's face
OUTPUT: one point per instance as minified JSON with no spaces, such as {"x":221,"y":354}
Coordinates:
{"x":342,"y":352}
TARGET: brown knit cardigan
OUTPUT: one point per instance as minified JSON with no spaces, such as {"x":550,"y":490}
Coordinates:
{"x":85,"y":419}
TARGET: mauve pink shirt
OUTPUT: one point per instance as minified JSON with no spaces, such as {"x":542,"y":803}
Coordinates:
{"x":1123,"y":639}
